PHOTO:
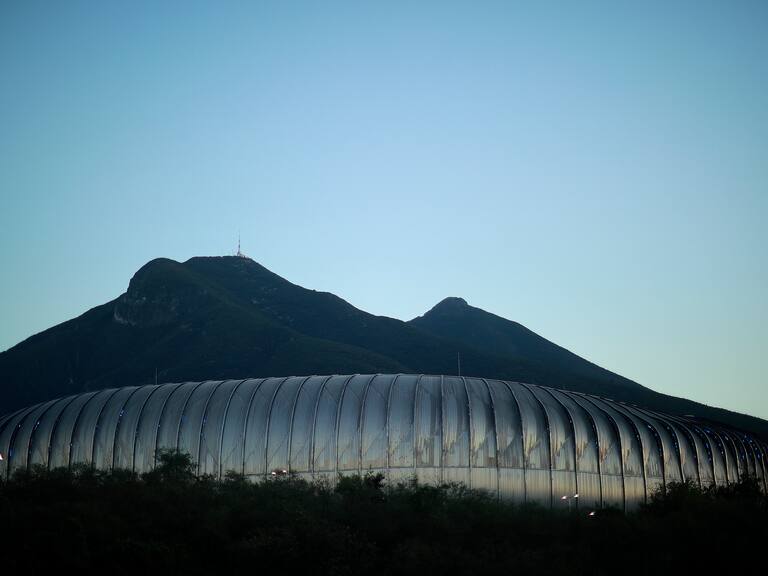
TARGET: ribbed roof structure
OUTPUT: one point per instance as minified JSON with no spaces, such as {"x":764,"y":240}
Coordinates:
{"x":524,"y":442}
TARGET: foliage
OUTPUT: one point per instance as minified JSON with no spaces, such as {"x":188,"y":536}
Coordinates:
{"x":170,"y":520}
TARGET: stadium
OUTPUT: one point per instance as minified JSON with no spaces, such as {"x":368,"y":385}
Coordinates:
{"x":523,"y":442}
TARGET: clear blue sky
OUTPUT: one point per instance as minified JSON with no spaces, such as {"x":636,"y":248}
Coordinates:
{"x":595,"y":171}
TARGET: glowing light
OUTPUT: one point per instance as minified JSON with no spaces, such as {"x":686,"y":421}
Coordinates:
{"x":1,"y":457}
{"x":564,"y":498}
{"x":592,"y":513}
{"x":575,"y":495}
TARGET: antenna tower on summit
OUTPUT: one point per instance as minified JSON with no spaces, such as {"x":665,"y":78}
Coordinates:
{"x":239,"y":253}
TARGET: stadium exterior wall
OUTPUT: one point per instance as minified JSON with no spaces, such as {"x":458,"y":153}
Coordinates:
{"x":523,"y":442}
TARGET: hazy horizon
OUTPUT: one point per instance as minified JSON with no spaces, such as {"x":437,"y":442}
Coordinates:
{"x":597,"y":172}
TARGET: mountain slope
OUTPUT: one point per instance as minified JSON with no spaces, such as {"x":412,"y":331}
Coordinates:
{"x":229,"y":317}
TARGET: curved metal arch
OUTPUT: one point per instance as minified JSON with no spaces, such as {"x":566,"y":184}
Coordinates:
{"x":573,"y":435}
{"x":204,"y":418}
{"x":388,"y":412}
{"x":140,"y":419}
{"x":545,"y":414}
{"x":415,"y":427}
{"x":741,"y":464}
{"x":652,"y":419}
{"x":522,"y":437}
{"x":46,"y":407}
{"x":314,"y":428}
{"x":183,"y":412}
{"x":589,"y":418}
{"x":267,"y":421}
{"x":495,"y":437}
{"x":55,"y":427}
{"x":17,"y":425}
{"x":290,"y":422}
{"x":338,"y":419}
{"x":361,"y":421}
{"x":617,"y":433}
{"x":470,"y":432}
{"x":162,"y":415}
{"x":545,"y":418}
{"x":120,"y":418}
{"x":75,"y":427}
{"x":216,"y":385}
{"x":98,"y":422}
{"x":704,"y":439}
{"x":609,"y":407}
{"x":723,"y":450}
{"x":61,"y":436}
{"x":138,"y":423}
{"x":223,"y":423}
{"x":691,"y":439}
{"x":246,"y":417}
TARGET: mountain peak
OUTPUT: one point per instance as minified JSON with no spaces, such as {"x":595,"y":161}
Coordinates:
{"x":448,"y":305}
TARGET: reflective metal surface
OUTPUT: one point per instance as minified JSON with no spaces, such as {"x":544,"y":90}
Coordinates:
{"x":521,"y":442}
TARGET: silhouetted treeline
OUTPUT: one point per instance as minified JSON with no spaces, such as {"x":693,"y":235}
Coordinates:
{"x":168,"y":521}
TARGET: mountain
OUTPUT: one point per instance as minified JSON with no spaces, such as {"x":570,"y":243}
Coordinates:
{"x":229,"y":317}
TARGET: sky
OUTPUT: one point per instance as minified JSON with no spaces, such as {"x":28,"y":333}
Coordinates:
{"x":597,"y":171}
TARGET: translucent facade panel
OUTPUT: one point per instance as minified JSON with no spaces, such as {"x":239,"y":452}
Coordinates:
{"x":737,"y":463}
{"x":8,"y":434}
{"x":455,"y":420}
{"x":717,"y":453}
{"x":731,"y":458}
{"x":586,"y":447}
{"x":653,"y":451}
{"x":233,"y":434}
{"x":39,"y":448}
{"x":400,"y":421}
{"x":631,"y":446}
{"x":147,"y":427}
{"x":209,"y":459}
{"x":257,"y":427}
{"x":754,"y":465}
{"x":61,"y":438}
{"x":538,"y":475}
{"x":609,"y":443}
{"x":374,"y":423}
{"x":428,"y":423}
{"x":688,"y":455}
{"x":303,"y":424}
{"x":702,"y":450}
{"x":170,"y":419}
{"x":125,"y":434}
{"x":326,"y":418}
{"x":709,"y":457}
{"x":349,"y":423}
{"x":191,"y":425}
{"x":455,"y":423}
{"x":279,"y":429}
{"x":81,"y":451}
{"x":106,"y":423}
{"x":508,"y":425}
{"x":25,"y":433}
{"x":744,"y":456}
{"x":483,"y":425}
{"x":512,"y":485}
{"x":761,"y":455}
{"x":535,"y":430}
{"x":672,"y":469}
{"x":561,"y":433}
{"x":484,"y":478}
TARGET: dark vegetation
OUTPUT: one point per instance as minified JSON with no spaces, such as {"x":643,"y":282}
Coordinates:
{"x":229,"y":317}
{"x":168,"y":521}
